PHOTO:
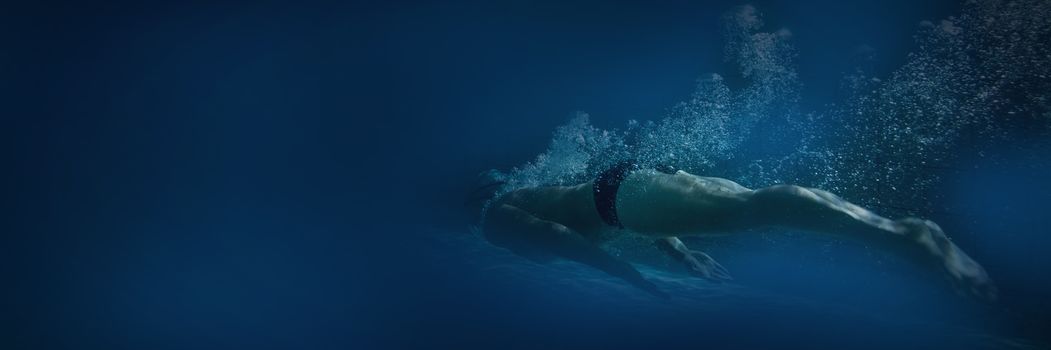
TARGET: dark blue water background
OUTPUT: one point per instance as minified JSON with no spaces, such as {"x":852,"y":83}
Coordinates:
{"x":193,"y":175}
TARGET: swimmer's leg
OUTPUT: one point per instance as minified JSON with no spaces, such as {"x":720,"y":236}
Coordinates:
{"x":698,"y":263}
{"x":520,"y":231}
{"x":920,"y":240}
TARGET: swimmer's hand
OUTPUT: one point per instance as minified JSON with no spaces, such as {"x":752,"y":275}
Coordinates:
{"x":697,"y":262}
{"x":966,"y":275}
{"x":703,"y":266}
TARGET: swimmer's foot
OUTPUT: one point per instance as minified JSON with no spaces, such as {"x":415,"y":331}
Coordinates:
{"x":703,"y":266}
{"x":967,"y":276}
{"x":651,"y":288}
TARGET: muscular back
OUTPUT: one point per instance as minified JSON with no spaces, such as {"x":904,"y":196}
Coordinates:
{"x":654,"y":203}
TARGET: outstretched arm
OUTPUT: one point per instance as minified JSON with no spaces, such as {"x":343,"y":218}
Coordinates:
{"x":699,"y":263}
{"x":922,"y":241}
{"x":521,"y":232}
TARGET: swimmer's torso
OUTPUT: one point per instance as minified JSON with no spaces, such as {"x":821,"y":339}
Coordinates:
{"x":660,"y":204}
{"x":647,"y":202}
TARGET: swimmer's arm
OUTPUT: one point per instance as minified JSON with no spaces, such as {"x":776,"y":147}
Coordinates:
{"x":698,"y":263}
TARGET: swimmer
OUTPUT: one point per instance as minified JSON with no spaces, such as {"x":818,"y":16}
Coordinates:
{"x":570,"y":222}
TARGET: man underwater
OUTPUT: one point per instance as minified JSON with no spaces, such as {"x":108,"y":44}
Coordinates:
{"x":571,"y":221}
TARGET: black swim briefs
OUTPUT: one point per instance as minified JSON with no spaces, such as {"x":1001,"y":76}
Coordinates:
{"x":608,"y":182}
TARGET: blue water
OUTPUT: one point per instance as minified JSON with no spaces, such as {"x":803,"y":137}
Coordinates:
{"x":291,"y":175}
